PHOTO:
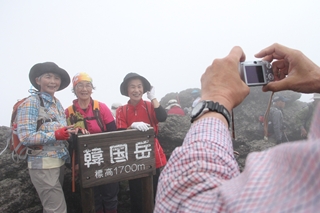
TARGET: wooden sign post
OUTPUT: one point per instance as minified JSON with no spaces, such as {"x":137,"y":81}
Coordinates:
{"x":113,"y":157}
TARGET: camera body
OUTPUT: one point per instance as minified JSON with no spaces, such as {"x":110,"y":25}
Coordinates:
{"x":256,"y":73}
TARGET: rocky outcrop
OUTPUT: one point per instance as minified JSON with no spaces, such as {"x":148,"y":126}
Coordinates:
{"x":17,"y":191}
{"x":19,"y":195}
{"x":248,"y":135}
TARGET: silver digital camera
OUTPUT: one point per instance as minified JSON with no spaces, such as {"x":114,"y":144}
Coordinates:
{"x":256,"y":73}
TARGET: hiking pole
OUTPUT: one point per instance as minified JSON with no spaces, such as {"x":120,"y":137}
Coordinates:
{"x":233,"y":132}
{"x":73,"y":182}
{"x":266,"y":118}
{"x":232,"y":120}
{"x":285,"y":135}
{"x":73,"y":164}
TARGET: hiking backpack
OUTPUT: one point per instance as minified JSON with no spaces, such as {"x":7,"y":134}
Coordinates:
{"x":18,"y":150}
{"x":96,"y":111}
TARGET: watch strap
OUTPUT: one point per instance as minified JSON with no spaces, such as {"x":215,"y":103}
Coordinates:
{"x":216,"y":107}
{"x":211,"y":106}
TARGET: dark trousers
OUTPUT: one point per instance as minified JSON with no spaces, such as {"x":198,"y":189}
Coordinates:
{"x":136,"y":192}
{"x":106,"y":197}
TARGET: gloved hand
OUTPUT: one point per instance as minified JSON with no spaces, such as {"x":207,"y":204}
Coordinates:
{"x":62,"y":134}
{"x":152,"y":93}
{"x":141,"y":126}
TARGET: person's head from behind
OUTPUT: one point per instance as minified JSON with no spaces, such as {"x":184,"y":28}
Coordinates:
{"x":171,"y":103}
{"x":279,"y":101}
{"x":82,"y":86}
{"x":134,"y":86}
{"x":48,"y":77}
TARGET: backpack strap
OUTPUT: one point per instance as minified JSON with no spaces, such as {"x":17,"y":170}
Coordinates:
{"x":148,"y":113}
{"x":41,"y":100}
{"x":97,"y":114}
{"x":71,"y":110}
{"x":42,"y":121}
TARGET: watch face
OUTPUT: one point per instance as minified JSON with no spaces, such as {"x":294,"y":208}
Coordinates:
{"x":198,"y":109}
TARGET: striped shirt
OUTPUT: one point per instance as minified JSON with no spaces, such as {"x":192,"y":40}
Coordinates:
{"x":54,"y":152}
{"x":203,"y":176}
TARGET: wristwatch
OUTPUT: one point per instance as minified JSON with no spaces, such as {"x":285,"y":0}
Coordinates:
{"x":209,"y":106}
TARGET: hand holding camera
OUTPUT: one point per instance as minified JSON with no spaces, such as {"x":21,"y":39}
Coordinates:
{"x":296,"y":71}
{"x":256,"y":73}
{"x":221,"y":82}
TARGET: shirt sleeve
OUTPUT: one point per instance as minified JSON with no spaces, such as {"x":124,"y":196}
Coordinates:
{"x":105,"y":113}
{"x":161,"y":114}
{"x":202,"y":175}
{"x":201,"y":164}
{"x":27,"y":116}
{"x":121,"y":122}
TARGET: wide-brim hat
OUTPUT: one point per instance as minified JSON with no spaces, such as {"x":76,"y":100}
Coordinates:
{"x":128,"y":77}
{"x":48,"y":67}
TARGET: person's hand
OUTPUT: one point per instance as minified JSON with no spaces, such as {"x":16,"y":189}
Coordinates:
{"x":141,"y":126}
{"x":151,"y":94}
{"x":77,"y":130}
{"x":221,"y":81}
{"x":64,"y":133}
{"x":82,"y":130}
{"x":292,"y":70}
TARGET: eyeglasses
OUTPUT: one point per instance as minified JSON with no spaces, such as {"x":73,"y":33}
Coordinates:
{"x":87,"y":86}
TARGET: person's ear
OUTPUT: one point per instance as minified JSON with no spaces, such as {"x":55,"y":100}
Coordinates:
{"x":38,"y":80}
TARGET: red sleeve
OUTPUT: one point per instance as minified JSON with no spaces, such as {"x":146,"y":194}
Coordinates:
{"x":105,"y":113}
{"x":152,"y":113}
{"x":121,"y":118}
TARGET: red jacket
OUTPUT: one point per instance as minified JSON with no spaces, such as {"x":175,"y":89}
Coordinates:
{"x":127,"y":114}
{"x":176,"y":111}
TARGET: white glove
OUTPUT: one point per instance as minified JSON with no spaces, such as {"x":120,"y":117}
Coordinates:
{"x":151,"y":94}
{"x":141,"y":126}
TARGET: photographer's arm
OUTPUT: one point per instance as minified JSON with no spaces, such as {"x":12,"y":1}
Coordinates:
{"x":197,"y":176}
{"x":205,"y":159}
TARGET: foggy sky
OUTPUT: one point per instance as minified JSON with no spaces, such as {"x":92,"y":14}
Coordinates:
{"x":171,"y":43}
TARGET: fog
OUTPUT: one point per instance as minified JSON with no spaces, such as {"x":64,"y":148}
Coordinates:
{"x":169,"y":42}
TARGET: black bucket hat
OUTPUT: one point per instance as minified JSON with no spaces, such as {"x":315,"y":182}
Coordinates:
{"x":128,"y":77}
{"x":46,"y":67}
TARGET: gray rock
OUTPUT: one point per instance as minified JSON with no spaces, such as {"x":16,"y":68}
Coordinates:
{"x":19,"y":195}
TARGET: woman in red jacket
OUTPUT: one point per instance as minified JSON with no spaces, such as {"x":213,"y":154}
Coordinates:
{"x":139,"y":114}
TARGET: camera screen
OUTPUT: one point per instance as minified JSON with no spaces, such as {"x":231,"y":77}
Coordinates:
{"x":254,"y":74}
